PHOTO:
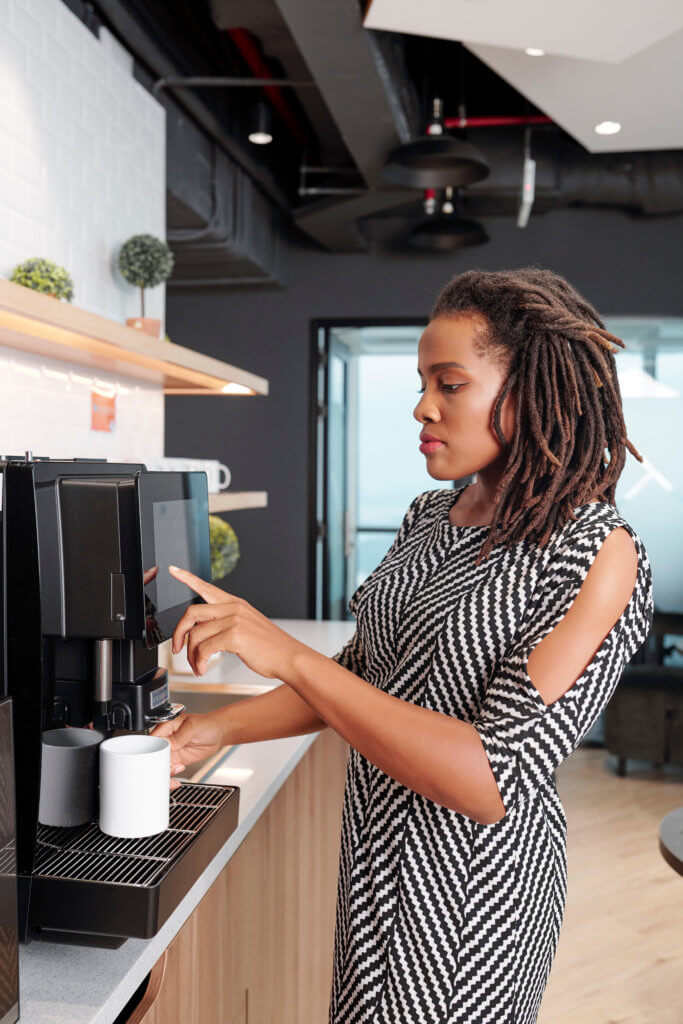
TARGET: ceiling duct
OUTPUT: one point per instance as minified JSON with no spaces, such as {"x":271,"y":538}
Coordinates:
{"x":222,"y":229}
{"x":639,"y":184}
{"x":365,"y":99}
{"x":263,"y":20}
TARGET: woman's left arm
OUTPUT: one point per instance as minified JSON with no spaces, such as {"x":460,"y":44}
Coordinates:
{"x":439,"y":756}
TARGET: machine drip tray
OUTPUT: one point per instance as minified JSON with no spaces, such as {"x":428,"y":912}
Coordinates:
{"x":91,"y":885}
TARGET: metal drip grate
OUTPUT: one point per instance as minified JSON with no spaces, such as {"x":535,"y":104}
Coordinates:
{"x":85,"y":853}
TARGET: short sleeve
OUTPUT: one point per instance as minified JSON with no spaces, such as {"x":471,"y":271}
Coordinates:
{"x":526,"y":740}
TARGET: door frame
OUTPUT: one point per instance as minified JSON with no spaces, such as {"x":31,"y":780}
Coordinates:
{"x":315,"y":326}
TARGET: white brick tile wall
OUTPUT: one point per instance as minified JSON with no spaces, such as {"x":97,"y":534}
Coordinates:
{"x":82,"y":167}
{"x":46,"y":408}
{"x":82,"y":153}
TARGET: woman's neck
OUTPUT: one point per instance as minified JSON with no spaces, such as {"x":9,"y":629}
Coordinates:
{"x":475,"y":507}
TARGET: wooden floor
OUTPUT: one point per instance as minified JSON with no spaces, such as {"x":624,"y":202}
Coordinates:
{"x":620,"y":955}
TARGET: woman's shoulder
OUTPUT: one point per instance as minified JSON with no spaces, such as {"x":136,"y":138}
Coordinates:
{"x":593,"y":521}
{"x":574,"y":546}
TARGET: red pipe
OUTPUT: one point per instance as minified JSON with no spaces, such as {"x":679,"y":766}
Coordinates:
{"x":486,"y":122}
{"x":244,"y":42}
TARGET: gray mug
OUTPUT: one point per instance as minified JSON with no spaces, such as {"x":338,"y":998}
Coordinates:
{"x":69,"y":777}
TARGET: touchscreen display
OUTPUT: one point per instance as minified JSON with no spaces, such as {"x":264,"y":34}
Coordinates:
{"x":174,"y":530}
{"x":176,"y":542}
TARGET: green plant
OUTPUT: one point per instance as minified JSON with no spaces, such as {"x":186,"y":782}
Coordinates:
{"x":225,"y":550}
{"x":145,"y":261}
{"x":44,"y":276}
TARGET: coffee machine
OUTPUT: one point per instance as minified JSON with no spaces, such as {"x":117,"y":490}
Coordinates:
{"x":86,"y":599}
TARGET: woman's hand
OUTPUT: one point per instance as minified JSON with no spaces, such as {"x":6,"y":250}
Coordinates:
{"x":192,"y":738}
{"x":229,"y":623}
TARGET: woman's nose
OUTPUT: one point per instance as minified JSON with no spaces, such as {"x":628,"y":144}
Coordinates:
{"x":425,"y":409}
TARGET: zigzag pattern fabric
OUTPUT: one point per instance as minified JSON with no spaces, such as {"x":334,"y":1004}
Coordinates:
{"x":441,"y":919}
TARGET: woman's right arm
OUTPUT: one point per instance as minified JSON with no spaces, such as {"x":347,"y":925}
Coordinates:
{"x":269,"y":716}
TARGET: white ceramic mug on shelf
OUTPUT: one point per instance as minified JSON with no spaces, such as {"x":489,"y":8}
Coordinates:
{"x":134,"y":785}
{"x":168,"y":465}
{"x":217,"y":474}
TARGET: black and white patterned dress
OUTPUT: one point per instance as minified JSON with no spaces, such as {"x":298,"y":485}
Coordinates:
{"x":440,"y":919}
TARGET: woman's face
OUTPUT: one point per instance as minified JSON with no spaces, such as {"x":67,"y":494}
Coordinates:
{"x":457,"y":402}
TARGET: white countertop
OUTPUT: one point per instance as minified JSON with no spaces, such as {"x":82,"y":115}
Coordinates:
{"x":60,"y":984}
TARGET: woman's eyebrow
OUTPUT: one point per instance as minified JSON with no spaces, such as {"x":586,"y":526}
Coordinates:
{"x":442,"y":366}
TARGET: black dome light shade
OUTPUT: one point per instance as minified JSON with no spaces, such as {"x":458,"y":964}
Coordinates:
{"x":435,"y":161}
{"x":445,"y":233}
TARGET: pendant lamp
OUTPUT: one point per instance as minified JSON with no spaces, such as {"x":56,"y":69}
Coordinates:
{"x":447,"y":231}
{"x":261,"y":133}
{"x":436,"y":160}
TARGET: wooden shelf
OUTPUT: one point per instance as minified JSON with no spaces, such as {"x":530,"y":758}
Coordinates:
{"x":40,"y":324}
{"x":227,"y":501}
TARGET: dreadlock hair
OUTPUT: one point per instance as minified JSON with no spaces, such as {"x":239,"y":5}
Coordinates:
{"x":560,"y":359}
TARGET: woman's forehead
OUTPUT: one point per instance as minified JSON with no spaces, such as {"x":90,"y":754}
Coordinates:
{"x":451,"y":338}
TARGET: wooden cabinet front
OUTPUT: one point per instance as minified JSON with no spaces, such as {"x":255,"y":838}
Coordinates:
{"x":258,"y":948}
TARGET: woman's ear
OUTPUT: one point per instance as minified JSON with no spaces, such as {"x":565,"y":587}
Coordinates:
{"x":507,"y":413}
{"x":507,"y":418}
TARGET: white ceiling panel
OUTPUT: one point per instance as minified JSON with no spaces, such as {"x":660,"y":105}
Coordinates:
{"x":598,"y":30}
{"x":644,"y":94}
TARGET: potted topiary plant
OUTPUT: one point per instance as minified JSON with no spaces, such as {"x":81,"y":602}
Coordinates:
{"x":225,"y":550}
{"x":145,"y":261}
{"x":44,"y":276}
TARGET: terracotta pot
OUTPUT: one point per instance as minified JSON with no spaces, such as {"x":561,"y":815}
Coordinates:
{"x":145,"y":323}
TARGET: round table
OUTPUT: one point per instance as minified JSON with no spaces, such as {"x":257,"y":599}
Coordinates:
{"x":671,"y":839}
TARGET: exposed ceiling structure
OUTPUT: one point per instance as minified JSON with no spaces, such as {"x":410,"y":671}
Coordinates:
{"x":366,"y":91}
{"x":610,"y":30}
{"x":617,"y":59}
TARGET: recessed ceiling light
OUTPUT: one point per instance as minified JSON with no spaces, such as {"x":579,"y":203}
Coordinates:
{"x":607,"y":128}
{"x":533,"y":52}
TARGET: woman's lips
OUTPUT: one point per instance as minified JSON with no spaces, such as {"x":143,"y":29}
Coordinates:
{"x":431,"y":446}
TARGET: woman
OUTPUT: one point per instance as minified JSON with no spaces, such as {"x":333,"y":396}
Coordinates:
{"x":488,"y":640}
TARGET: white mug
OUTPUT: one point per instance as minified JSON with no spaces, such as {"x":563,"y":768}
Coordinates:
{"x":217,"y":474}
{"x":134,"y":785}
{"x":164,"y":464}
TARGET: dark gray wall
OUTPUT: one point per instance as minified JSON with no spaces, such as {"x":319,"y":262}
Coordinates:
{"x":623,"y":265}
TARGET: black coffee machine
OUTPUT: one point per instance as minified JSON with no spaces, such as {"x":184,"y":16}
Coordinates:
{"x":86,"y":600}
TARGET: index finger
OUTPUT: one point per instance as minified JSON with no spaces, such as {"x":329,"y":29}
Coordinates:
{"x":211,"y":594}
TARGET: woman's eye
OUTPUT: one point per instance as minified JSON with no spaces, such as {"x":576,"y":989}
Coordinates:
{"x":449,"y":387}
